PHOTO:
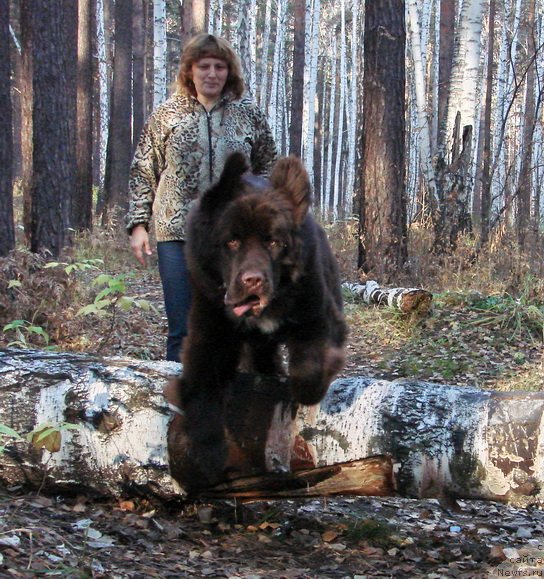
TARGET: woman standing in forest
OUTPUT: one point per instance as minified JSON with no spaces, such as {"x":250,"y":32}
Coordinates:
{"x":181,"y":152}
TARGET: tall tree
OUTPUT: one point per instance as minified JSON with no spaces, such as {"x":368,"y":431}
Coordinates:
{"x":297,"y":83}
{"x":82,"y":200}
{"x":244,"y":42}
{"x":159,"y":52}
{"x":524,"y":189}
{"x":194,"y":18}
{"x":7,"y":230}
{"x":138,"y":68}
{"x":26,"y":114}
{"x":383,"y":246}
{"x":485,"y":191}
{"x":54,"y":56}
{"x":119,"y":154}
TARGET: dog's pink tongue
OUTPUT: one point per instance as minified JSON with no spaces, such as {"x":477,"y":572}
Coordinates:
{"x":241,"y":309}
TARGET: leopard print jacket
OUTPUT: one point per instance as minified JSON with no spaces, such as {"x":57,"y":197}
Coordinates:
{"x":182,"y":151}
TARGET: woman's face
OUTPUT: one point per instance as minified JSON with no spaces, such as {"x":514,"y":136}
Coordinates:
{"x":209,"y":77}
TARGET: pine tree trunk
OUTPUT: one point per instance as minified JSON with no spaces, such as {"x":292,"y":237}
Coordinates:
{"x":54,"y":34}
{"x":83,"y":192}
{"x":119,"y":153}
{"x":297,"y":99}
{"x":383,"y":246}
{"x":7,"y":230}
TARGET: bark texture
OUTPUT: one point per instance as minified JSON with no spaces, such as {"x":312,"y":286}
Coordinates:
{"x":367,"y":437}
{"x":383,"y":247}
{"x":7,"y":230}
{"x":407,"y":300}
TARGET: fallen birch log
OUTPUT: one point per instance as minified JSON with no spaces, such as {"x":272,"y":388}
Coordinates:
{"x":407,"y":300}
{"x":367,"y":437}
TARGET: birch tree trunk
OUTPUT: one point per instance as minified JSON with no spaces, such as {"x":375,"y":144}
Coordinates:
{"x":160,"y":51}
{"x":265,"y":49}
{"x":423,"y":128}
{"x":407,"y":300}
{"x":103,"y":89}
{"x":245,"y":42}
{"x":352,"y":108}
{"x":341,"y":111}
{"x":440,"y":440}
{"x":328,"y":184}
{"x":313,"y":10}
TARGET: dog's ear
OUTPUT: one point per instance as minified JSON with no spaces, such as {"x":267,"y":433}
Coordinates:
{"x":290,"y":178}
{"x":228,"y":186}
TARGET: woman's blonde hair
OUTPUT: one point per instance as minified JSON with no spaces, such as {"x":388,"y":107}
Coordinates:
{"x":209,"y":46}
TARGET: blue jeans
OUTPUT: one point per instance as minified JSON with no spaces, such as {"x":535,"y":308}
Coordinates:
{"x":177,"y":294}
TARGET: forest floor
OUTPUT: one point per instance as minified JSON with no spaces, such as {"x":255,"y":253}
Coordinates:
{"x":489,"y":340}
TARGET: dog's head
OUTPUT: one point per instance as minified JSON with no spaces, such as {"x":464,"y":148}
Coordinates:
{"x":255,"y":229}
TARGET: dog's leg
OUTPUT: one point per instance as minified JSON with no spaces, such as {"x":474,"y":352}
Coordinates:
{"x":312,"y":367}
{"x":210,"y":358}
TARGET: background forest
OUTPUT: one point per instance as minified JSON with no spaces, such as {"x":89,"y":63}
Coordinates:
{"x":420,"y":124}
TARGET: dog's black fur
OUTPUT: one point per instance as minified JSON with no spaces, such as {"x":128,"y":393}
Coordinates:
{"x":263,"y":274}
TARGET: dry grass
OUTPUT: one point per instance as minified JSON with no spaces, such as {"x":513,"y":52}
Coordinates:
{"x":486,"y":327}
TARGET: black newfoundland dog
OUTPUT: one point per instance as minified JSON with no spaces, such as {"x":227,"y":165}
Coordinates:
{"x":263,"y":275}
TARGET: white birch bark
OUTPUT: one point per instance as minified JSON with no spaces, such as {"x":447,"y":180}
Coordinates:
{"x":341,"y":107}
{"x":159,"y":53}
{"x":103,"y":89}
{"x":466,"y":72}
{"x":265,"y":49}
{"x":329,"y":146}
{"x":245,"y":42}
{"x":407,"y":300}
{"x":422,"y":128}
{"x":443,"y":440}
{"x":313,"y":9}
{"x":275,"y":114}
{"x":352,"y":109}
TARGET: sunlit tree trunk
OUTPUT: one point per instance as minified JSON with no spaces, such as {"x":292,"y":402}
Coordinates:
{"x":159,"y":55}
{"x":26,"y":114}
{"x":352,"y":118}
{"x":138,"y":69}
{"x":83,"y":193}
{"x":455,"y":170}
{"x":422,"y":116}
{"x":7,"y":231}
{"x":341,"y":111}
{"x":265,"y":50}
{"x":313,"y":10}
{"x":329,"y":143}
{"x":245,"y":42}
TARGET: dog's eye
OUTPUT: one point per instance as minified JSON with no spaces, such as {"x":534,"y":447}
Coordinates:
{"x":234,"y":244}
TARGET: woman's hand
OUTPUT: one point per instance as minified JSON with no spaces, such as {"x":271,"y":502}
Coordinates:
{"x":139,"y":243}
